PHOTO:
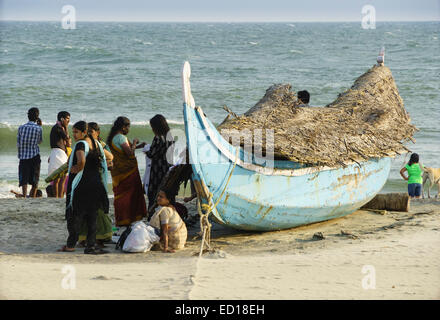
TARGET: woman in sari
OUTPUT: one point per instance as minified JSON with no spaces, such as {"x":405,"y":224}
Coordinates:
{"x":129,"y":198}
{"x":103,"y":221}
{"x":86,"y":189}
{"x":173,"y":232}
{"x":158,"y":155}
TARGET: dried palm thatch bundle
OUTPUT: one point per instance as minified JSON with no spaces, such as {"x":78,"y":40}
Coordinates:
{"x":366,"y":121}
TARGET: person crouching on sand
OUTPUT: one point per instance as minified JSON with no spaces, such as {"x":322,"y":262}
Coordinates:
{"x":173,"y":232}
{"x":415,"y":179}
{"x":86,"y":189}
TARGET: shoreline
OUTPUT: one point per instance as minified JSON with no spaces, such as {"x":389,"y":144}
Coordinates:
{"x":402,"y":247}
{"x":391,"y":186}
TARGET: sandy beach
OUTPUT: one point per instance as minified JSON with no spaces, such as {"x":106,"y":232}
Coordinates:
{"x":365,"y":255}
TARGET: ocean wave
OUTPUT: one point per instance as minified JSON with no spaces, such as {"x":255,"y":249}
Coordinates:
{"x":412,"y":43}
{"x":6,"y":187}
{"x":69,"y":51}
{"x":6,"y":66}
{"x":142,"y":42}
{"x":143,"y":123}
{"x":138,"y":129}
{"x":8,"y":125}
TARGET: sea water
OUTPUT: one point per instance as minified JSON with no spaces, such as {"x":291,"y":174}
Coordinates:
{"x":100,"y":71}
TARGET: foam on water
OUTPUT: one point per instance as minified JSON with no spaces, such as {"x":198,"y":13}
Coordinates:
{"x":6,"y":186}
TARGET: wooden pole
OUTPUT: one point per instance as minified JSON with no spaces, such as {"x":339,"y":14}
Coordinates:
{"x":390,"y":202}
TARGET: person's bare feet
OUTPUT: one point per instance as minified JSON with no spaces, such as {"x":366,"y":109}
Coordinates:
{"x":66,"y":249}
{"x":17,"y":195}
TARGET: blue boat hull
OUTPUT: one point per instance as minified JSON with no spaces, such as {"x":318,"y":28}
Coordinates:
{"x":250,"y":200}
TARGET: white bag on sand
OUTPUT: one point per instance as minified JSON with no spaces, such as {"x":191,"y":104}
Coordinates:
{"x":141,"y":238}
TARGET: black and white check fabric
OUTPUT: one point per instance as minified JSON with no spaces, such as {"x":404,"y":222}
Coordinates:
{"x":28,"y":137}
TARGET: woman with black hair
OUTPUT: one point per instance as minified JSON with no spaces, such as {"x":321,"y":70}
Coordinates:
{"x":86,"y":188}
{"x":103,"y":221}
{"x":158,"y":156}
{"x":95,"y":133}
{"x":127,"y":186}
{"x":173,"y":232}
{"x":415,"y":179}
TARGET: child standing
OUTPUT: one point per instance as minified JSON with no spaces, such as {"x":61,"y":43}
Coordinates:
{"x":415,"y":171}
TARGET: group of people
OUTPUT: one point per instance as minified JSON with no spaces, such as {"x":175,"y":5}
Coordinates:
{"x":90,"y":159}
{"x":29,"y":136}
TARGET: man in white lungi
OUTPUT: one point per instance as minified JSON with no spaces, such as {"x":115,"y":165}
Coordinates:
{"x":60,"y":143}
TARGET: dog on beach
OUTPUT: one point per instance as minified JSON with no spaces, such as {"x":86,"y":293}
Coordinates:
{"x":433,"y":175}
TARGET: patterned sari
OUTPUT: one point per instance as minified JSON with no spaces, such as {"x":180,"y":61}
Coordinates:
{"x":177,"y":232}
{"x":129,"y":201}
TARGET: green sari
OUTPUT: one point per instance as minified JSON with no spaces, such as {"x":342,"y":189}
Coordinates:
{"x":103,"y":222}
{"x":103,"y":227}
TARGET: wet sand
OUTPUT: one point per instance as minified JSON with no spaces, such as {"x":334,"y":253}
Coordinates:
{"x":365,"y":255}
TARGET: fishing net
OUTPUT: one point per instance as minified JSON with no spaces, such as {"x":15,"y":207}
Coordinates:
{"x":366,"y":121}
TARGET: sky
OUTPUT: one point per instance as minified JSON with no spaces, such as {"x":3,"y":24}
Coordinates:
{"x":220,"y":10}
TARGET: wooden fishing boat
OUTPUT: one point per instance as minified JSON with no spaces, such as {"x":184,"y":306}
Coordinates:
{"x":246,"y":195}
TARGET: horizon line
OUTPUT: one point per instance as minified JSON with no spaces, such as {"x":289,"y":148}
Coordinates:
{"x":234,"y":21}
